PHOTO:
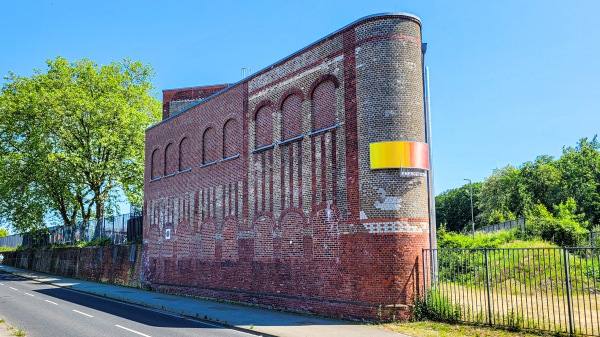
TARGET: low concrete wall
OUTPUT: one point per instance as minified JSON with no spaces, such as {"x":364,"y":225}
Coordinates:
{"x":111,"y":264}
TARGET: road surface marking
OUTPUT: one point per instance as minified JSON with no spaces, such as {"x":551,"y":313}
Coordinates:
{"x":1,"y":284}
{"x":13,"y":288}
{"x":51,"y":302}
{"x":139,"y":333}
{"x":29,"y":294}
{"x":83,"y":313}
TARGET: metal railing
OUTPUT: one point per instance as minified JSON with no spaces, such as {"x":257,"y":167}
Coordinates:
{"x":114,"y":228}
{"x":121,"y":229}
{"x":539,"y":289}
{"x":507,"y":225}
{"x":11,"y":240}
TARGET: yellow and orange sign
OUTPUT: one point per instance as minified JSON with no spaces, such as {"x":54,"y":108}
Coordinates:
{"x":385,"y":155}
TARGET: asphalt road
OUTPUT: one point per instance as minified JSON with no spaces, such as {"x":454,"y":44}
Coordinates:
{"x":45,"y":310}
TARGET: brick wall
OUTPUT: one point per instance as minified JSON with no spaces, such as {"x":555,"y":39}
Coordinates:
{"x":113,"y":264}
{"x":276,"y":203}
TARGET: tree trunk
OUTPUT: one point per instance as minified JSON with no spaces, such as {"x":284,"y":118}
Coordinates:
{"x":99,"y":215}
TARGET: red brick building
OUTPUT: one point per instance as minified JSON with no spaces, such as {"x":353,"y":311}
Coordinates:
{"x":284,"y":189}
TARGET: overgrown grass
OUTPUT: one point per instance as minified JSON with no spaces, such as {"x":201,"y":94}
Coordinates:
{"x":439,"y":329}
{"x":480,"y":240}
{"x":539,"y":267}
{"x":7,"y":249}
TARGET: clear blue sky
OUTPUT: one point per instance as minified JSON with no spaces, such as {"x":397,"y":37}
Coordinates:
{"x":510,"y":80}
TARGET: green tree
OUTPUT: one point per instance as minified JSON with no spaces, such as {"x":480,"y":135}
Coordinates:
{"x":542,"y":180}
{"x":3,"y":232}
{"x":503,"y":196}
{"x":71,"y":137}
{"x":453,"y":207}
{"x":580,"y":177}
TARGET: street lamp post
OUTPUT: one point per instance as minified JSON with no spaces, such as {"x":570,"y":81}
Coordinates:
{"x":472,"y":220}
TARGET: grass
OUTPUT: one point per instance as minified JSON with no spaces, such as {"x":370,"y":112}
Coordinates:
{"x":20,"y":332}
{"x":436,"y":329}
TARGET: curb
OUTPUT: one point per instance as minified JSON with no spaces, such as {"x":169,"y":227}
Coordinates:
{"x":148,"y":306}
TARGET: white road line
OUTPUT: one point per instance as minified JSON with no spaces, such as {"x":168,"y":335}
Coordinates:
{"x":83,"y":313}
{"x":13,"y":288}
{"x":28,"y":294}
{"x":51,"y":302}
{"x":139,"y":333}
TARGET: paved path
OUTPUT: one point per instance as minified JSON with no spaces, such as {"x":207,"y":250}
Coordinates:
{"x":245,"y":318}
{"x":42,"y":309}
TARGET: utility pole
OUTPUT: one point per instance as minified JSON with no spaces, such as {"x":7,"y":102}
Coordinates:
{"x":472,"y":219}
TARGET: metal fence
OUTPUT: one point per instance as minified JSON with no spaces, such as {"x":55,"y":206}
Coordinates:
{"x":507,"y":225}
{"x":114,"y":228}
{"x":540,"y":289}
{"x":11,"y":240}
{"x":119,"y":229}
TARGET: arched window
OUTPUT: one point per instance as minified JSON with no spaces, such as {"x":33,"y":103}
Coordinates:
{"x":210,"y":151}
{"x":323,"y":102}
{"x":264,"y":126}
{"x":291,"y":113}
{"x":170,"y":159}
{"x":155,"y":165}
{"x":231,"y":138}
{"x":184,"y":154}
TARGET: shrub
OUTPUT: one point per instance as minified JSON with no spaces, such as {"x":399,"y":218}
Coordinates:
{"x":481,"y":240}
{"x":565,"y":228}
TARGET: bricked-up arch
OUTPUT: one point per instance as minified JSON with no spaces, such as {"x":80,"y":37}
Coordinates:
{"x":230,"y":244}
{"x":231,"y":138}
{"x":292,"y":226}
{"x":263,"y":120}
{"x":326,"y":233}
{"x":291,"y":114}
{"x":322,"y":94}
{"x":208,"y":243}
{"x":155,"y":169}
{"x":263,"y":240}
{"x":185,"y":154}
{"x":210,"y":146}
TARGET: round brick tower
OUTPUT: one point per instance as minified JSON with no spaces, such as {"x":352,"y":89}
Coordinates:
{"x":393,"y":157}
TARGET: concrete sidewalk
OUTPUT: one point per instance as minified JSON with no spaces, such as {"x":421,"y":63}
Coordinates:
{"x":251,"y":319}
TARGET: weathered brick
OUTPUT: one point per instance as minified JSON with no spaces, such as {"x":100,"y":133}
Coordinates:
{"x":273,"y":200}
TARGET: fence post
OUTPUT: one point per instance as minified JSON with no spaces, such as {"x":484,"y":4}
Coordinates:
{"x":568,"y":285}
{"x":487,"y":286}
{"x":424,"y":275}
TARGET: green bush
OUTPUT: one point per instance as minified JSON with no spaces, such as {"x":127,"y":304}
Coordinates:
{"x":564,"y":227}
{"x":481,"y":240}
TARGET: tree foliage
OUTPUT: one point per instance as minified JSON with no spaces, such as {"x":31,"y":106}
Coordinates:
{"x":453,"y":207}
{"x":563,"y":193}
{"x":3,"y":232}
{"x":70,"y":137}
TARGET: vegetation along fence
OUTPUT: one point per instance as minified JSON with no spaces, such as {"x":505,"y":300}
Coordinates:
{"x":541,"y":289}
{"x":594,"y":238}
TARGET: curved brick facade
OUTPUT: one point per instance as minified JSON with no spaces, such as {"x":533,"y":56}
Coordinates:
{"x":277,"y":204}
